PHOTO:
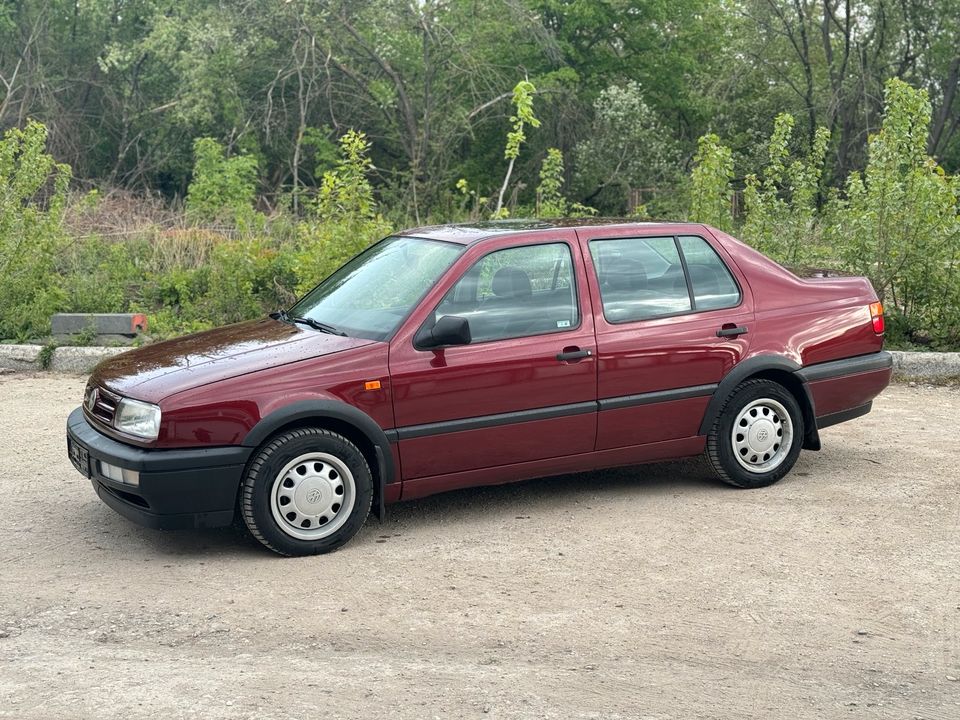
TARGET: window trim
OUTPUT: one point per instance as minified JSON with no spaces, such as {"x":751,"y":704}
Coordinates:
{"x":686,"y":274}
{"x":574,"y":286}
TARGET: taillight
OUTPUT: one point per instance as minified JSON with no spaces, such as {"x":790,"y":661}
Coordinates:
{"x":876,"y":314}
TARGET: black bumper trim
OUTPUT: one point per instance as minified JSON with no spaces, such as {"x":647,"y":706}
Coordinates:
{"x":160,"y":521}
{"x":848,"y":366}
{"x":149,"y":459}
{"x":177,"y":488}
{"x":836,"y":418}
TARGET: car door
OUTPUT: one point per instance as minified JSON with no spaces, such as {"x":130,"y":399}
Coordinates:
{"x":673,"y":318}
{"x":525,"y":387}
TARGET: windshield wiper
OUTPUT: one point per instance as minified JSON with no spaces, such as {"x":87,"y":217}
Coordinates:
{"x":317,"y":325}
{"x":283,"y":316}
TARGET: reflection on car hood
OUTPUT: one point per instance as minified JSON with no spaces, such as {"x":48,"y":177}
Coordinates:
{"x":156,"y":371}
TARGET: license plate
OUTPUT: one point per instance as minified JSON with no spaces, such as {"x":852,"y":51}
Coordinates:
{"x":79,"y":457}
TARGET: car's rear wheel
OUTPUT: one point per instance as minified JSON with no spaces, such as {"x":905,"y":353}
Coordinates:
{"x":306,"y":491}
{"x":757,"y":436}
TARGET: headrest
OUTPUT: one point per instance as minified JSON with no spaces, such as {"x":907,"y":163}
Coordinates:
{"x":511,"y":282}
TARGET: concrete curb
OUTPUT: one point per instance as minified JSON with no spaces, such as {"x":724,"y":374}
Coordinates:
{"x":67,"y":359}
{"x":926,"y":366}
{"x":921,"y":366}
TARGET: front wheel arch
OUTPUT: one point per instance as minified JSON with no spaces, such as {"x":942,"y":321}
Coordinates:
{"x":339,"y":417}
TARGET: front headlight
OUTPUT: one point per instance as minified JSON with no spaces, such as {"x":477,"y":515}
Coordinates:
{"x":138,"y":418}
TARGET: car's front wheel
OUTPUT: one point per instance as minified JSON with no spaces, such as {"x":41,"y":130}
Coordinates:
{"x":306,"y":491}
{"x":757,"y":436}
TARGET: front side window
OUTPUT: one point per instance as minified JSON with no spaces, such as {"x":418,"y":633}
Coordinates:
{"x":371,"y":295}
{"x":713,"y":285}
{"x":640,"y":278}
{"x":516,"y":292}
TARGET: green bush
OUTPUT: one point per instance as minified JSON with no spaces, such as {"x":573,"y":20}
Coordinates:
{"x":897,"y":223}
{"x":100,"y":275}
{"x":33,"y":192}
{"x":223,"y":188}
{"x":343,"y":219}
{"x":780,"y":211}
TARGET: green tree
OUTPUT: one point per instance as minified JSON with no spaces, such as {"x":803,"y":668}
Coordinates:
{"x":711,"y":193}
{"x":780,"y":211}
{"x":523,"y":116}
{"x":551,"y":202}
{"x":343,"y":219}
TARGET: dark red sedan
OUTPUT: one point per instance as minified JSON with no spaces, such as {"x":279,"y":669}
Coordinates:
{"x":459,"y":355}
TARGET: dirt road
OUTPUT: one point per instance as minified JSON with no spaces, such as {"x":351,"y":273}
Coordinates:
{"x":648,"y":592}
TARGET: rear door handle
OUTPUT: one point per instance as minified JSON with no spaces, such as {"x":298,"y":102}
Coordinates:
{"x":731,"y":330}
{"x":573,"y":354}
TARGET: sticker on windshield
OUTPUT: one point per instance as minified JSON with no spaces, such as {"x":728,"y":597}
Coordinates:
{"x":563,"y":323}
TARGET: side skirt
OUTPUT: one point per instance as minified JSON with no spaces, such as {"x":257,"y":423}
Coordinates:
{"x":633,"y":455}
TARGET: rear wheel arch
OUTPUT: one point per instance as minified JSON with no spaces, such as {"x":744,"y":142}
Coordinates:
{"x":343,"y":419}
{"x":775,"y":368}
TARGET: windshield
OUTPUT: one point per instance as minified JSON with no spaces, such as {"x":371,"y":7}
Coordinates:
{"x":371,"y":295}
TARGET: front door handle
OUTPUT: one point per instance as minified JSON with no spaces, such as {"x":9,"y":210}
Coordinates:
{"x":573,"y":353}
{"x":731,"y":330}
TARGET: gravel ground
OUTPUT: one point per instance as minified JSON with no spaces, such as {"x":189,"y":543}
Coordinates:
{"x":648,"y":592}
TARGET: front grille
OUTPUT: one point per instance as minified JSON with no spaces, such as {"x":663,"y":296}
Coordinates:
{"x":104,"y":407}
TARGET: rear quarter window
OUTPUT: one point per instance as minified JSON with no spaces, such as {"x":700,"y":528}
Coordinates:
{"x":713,"y":285}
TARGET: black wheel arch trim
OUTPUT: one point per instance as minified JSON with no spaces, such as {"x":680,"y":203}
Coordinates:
{"x":757,"y":365}
{"x":342,"y":412}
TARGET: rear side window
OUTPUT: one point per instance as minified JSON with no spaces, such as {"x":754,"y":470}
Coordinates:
{"x":516,"y":292}
{"x":640,"y":278}
{"x":713,"y":285}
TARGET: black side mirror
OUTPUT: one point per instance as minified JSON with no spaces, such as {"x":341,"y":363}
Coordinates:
{"x":448,"y":330}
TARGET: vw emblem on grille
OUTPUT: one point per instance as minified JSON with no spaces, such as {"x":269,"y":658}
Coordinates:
{"x":313,"y":497}
{"x":91,"y":399}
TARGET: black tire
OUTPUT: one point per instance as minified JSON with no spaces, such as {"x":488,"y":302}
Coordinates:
{"x":263,"y":485}
{"x":721,"y":452}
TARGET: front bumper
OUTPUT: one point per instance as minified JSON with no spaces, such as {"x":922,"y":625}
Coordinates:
{"x":192,"y":488}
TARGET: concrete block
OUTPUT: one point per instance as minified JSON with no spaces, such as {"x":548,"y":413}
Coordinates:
{"x":128,"y":324}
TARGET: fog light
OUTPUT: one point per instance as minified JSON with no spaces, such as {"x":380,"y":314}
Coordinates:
{"x":119,"y":474}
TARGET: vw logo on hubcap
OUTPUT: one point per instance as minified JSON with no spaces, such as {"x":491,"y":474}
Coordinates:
{"x":313,"y":497}
{"x":762,"y":435}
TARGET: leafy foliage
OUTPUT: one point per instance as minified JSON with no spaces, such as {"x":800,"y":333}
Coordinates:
{"x":223,"y":188}
{"x":627,"y":147}
{"x":343,"y":219}
{"x":523,"y":116}
{"x":551,"y":202}
{"x":33,"y":193}
{"x":710,"y":183}
{"x":899,"y":222}
{"x":780,"y":211}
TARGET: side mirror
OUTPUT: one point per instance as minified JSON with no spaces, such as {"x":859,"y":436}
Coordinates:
{"x":448,"y":330}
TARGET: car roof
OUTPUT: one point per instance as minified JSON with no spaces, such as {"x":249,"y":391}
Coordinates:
{"x":468,"y":233}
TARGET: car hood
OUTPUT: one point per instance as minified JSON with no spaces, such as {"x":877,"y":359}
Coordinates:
{"x":154,"y":372}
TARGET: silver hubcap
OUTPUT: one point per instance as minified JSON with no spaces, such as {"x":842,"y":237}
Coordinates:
{"x":312,"y":496}
{"x":762,"y":435}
